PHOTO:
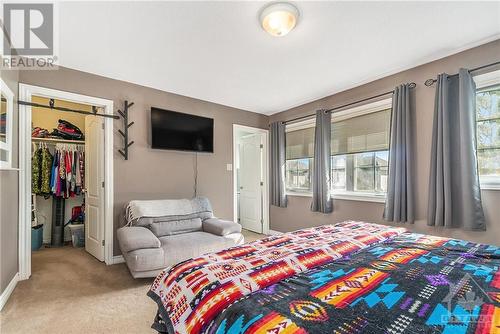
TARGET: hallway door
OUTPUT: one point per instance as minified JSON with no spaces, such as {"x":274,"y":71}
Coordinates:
{"x":251,"y":186}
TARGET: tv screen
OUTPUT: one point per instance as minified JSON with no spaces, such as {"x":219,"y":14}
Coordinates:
{"x":171,"y":130}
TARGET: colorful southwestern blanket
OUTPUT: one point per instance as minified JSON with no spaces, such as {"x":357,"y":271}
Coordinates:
{"x":192,"y":293}
{"x":394,"y":282}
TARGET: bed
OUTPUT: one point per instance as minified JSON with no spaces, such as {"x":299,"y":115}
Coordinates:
{"x":350,"y":277}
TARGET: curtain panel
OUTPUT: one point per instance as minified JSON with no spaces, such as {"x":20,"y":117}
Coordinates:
{"x":277,"y":162}
{"x":321,"y":200}
{"x":454,"y":190}
{"x":399,"y":205}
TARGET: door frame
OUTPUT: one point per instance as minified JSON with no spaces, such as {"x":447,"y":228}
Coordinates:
{"x":265,"y":160}
{"x":25,"y":94}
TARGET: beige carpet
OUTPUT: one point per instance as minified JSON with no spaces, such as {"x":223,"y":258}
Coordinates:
{"x":71,"y":292}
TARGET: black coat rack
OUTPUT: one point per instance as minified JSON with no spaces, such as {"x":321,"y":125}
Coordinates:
{"x":126,"y":126}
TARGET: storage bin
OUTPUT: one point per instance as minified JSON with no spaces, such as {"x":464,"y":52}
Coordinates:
{"x":36,"y":237}
{"x":77,"y":234}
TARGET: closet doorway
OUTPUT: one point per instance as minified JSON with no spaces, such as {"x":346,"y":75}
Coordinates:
{"x":66,"y":177}
{"x":250,"y":178}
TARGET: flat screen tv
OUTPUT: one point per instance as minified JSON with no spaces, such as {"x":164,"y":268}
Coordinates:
{"x":171,"y":130}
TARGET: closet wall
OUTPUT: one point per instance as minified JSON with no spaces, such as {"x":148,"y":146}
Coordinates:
{"x":48,"y":119}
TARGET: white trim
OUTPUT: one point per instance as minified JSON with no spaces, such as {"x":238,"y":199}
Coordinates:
{"x":117,"y":259}
{"x":361,"y":110}
{"x":486,"y":80}
{"x":265,"y":195}
{"x":273,"y":232}
{"x":342,"y":115}
{"x":360,"y":197}
{"x":25,"y":94}
{"x":7,"y":145}
{"x":4,"y":297}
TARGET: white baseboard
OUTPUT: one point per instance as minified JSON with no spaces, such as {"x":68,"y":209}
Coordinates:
{"x":4,"y":297}
{"x":117,"y":259}
{"x":273,"y":232}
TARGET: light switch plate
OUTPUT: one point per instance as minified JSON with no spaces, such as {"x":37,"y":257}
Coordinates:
{"x":229,"y":167}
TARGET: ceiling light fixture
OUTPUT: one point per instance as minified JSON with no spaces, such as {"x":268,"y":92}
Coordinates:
{"x":279,"y":18}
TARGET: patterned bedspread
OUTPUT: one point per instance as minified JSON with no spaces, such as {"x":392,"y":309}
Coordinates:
{"x":345,"y":278}
{"x":193,"y":292}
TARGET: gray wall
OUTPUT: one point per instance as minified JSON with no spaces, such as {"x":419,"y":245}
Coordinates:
{"x":9,"y":209}
{"x":297,"y":214}
{"x":155,"y":174}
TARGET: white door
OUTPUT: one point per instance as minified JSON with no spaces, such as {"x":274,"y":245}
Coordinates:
{"x":251,"y":172}
{"x":94,"y":191}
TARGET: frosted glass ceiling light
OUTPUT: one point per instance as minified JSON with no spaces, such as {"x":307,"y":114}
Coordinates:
{"x":279,"y":18}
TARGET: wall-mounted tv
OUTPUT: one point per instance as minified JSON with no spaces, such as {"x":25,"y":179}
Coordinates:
{"x":171,"y":130}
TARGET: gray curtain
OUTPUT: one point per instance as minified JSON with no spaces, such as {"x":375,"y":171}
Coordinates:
{"x":399,"y":202}
{"x":277,"y":161}
{"x":454,"y":192}
{"x":321,"y":201}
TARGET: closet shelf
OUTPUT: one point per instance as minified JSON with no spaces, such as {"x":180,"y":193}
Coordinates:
{"x":57,"y":140}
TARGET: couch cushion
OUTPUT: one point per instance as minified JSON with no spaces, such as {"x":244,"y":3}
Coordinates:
{"x":174,"y":227}
{"x":145,"y":259}
{"x":181,"y":247}
{"x":144,"y":213}
{"x":220,"y":227}
{"x":134,"y":237}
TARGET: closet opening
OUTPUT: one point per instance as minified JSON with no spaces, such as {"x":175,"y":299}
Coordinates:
{"x":66,"y":210}
{"x":63,"y":170}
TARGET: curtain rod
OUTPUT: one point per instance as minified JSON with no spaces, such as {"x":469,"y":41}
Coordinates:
{"x":430,"y":82}
{"x":333,"y":110}
{"x":52,"y":106}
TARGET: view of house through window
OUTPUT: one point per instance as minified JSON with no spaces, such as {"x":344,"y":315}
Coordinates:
{"x":488,"y":133}
{"x":360,"y":155}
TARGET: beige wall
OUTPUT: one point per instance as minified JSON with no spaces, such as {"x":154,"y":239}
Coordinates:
{"x":298,"y":215}
{"x":48,"y":119}
{"x":154,"y":174}
{"x":9,"y":206}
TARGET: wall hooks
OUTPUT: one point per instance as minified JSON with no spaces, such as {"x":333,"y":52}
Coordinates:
{"x":126,"y":126}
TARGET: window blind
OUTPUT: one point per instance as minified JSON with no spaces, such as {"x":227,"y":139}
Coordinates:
{"x":366,"y":133}
{"x":300,"y":144}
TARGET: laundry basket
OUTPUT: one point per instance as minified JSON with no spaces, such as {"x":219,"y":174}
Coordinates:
{"x":77,"y":234}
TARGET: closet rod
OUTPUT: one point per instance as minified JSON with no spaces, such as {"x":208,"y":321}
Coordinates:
{"x":430,"y":82}
{"x":52,"y":106}
{"x":333,"y":110}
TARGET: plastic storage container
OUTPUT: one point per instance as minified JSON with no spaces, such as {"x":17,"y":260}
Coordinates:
{"x":77,"y":234}
{"x":36,"y":237}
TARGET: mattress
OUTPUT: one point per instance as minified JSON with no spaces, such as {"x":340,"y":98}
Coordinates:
{"x":350,"y":277}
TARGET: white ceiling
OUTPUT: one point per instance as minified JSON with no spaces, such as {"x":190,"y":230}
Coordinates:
{"x":216,"y":51}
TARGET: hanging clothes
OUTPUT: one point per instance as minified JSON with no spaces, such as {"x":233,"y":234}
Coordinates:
{"x":36,"y":164}
{"x":46,"y":171}
{"x":61,"y":174}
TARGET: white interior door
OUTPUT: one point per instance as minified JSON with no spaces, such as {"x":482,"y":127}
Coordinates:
{"x":94,"y":191}
{"x":251,"y":173}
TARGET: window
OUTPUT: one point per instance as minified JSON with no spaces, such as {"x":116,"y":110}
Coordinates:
{"x":299,"y":154}
{"x":359,"y":152}
{"x":6,"y":114}
{"x":488,"y":128}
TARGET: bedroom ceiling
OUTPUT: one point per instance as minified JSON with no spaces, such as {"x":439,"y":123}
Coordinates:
{"x":216,"y":51}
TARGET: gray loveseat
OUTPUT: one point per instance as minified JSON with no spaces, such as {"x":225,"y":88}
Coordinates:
{"x":161,"y":233}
